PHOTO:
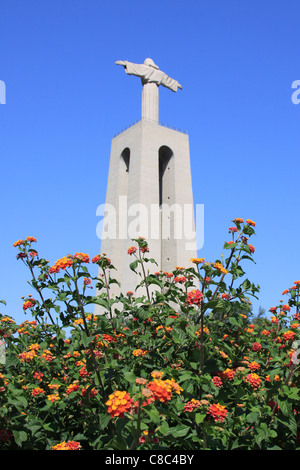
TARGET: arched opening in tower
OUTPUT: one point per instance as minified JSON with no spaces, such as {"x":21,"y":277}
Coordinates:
{"x":167,"y":205}
{"x":164,"y":157}
{"x":125,"y":156}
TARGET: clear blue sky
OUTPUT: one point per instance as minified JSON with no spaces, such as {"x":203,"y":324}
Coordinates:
{"x":66,"y":98}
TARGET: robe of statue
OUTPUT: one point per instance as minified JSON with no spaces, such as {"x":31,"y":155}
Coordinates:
{"x":151,"y":74}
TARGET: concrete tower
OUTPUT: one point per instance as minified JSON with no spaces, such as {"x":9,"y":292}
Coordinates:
{"x":149,"y":190}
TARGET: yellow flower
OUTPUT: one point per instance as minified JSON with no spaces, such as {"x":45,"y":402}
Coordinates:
{"x":221,"y":268}
{"x":197,"y":260}
{"x":53,"y":397}
{"x":157,"y":374}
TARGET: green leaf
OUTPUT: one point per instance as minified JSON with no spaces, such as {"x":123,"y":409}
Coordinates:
{"x":164,"y":428}
{"x":252,"y":417}
{"x":246,"y":284}
{"x":180,"y":430}
{"x":134,"y":265}
{"x":229,"y":246}
{"x":153,"y":415}
{"x":20,"y":437}
{"x":233,"y":321}
{"x":104,"y":420}
{"x":200,"y":417}
{"x":86,"y":340}
{"x":130,"y":377}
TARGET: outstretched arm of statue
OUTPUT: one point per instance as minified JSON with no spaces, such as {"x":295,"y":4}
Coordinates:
{"x":179,"y":86}
{"x":120,"y":62}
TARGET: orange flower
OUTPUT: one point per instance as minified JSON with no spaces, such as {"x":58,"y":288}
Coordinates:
{"x":221,"y":268}
{"x":53,"y":397}
{"x":31,"y":239}
{"x":288,"y":335}
{"x":157,"y":374}
{"x":29,"y":304}
{"x":72,"y":388}
{"x":93,"y":392}
{"x":47,"y":355}
{"x":254,"y":380}
{"x":250,"y":222}
{"x":252,"y":249}
{"x":62,"y":263}
{"x":180,"y":279}
{"x":38,"y":376}
{"x":228,"y":374}
{"x":238,"y":221}
{"x":139,"y":352}
{"x":253,"y":366}
{"x":119,"y":403}
{"x":83,"y":257}
{"x":218,"y":412}
{"x":18,"y":243}
{"x":161,"y":390}
{"x":27,"y":356}
{"x":101,"y":258}
{"x":70,"y":445}
{"x":197,"y":260}
{"x":226,"y":296}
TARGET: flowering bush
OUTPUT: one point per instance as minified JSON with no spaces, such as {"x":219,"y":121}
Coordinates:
{"x":205,"y":375}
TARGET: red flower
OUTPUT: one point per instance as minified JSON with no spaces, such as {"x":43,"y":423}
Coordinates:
{"x":179,"y":279}
{"x":192,"y":405}
{"x":131,"y":250}
{"x":217,"y":382}
{"x":37,"y":391}
{"x":5,"y":435}
{"x":256,"y":347}
{"x":194,"y":297}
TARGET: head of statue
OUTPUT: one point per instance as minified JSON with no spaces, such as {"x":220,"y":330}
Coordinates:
{"x":151,"y":63}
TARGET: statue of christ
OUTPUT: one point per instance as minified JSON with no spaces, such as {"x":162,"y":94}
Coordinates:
{"x":151,"y":78}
